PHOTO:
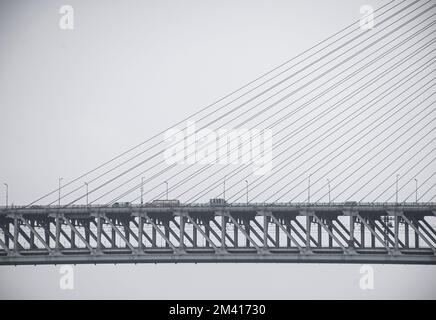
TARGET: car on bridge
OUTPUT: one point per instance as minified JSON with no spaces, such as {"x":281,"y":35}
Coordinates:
{"x":121,"y":204}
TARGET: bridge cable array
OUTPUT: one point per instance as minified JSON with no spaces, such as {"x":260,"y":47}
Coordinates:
{"x":206,"y":168}
{"x":399,"y":39}
{"x":281,"y":119}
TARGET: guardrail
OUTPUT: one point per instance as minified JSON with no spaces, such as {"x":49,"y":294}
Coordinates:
{"x":282,"y":204}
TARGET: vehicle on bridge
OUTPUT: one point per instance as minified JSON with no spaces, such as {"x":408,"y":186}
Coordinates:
{"x":166,"y":203}
{"x":121,"y":204}
{"x":350,"y":203}
{"x":217,"y":202}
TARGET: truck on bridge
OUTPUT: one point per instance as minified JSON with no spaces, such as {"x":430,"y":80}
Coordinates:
{"x":166,"y":203}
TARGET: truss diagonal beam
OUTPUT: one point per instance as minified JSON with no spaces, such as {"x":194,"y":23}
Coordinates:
{"x":329,"y":232}
{"x":418,"y":232}
{"x":198,"y":228}
{"x":347,"y":232}
{"x":247,"y":236}
{"x":120,"y":234}
{"x":45,"y":244}
{"x":374,"y":233}
{"x":161,"y":233}
{"x":3,"y":245}
{"x":147,"y":237}
{"x":267,"y":234}
{"x":78,"y":234}
{"x":186,"y":236}
{"x":274,"y":219}
{"x":228,"y":237}
{"x":390,"y":233}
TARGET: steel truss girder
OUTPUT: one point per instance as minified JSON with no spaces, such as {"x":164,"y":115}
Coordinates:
{"x":182,"y":231}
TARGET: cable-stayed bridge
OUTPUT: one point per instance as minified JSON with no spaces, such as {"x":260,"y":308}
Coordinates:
{"x":348,"y":177}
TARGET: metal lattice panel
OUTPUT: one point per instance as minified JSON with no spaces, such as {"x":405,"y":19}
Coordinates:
{"x":386,"y":233}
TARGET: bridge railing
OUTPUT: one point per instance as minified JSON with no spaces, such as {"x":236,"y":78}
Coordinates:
{"x":242,"y":205}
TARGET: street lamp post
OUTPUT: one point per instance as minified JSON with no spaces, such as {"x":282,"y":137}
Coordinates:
{"x":142,"y":190}
{"x":224,"y":188}
{"x":396,"y":189}
{"x":246,"y":182}
{"x":166,"y":182}
{"x":328,"y":182}
{"x":416,"y":190}
{"x":7,"y":194}
{"x":308,"y":190}
{"x":87,"y":199}
{"x":59,"y":198}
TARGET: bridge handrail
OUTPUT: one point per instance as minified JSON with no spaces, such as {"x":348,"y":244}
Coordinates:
{"x":281,"y":204}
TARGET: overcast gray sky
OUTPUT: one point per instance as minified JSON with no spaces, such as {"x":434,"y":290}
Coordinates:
{"x":72,"y":99}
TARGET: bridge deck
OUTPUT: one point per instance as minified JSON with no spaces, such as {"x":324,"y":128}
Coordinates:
{"x":284,"y":233}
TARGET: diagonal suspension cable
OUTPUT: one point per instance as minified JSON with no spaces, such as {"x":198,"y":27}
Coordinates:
{"x":367,"y":143}
{"x":404,"y":152}
{"x":434,"y":184}
{"x":283,"y":138}
{"x":340,"y":146}
{"x":420,"y":186}
{"x":143,"y":172}
{"x":404,"y":174}
{"x":286,"y":116}
{"x":137,"y":165}
{"x":367,"y":153}
{"x":208,"y":107}
{"x":355,"y":135}
{"x":373,"y":189}
{"x":203,"y":169}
